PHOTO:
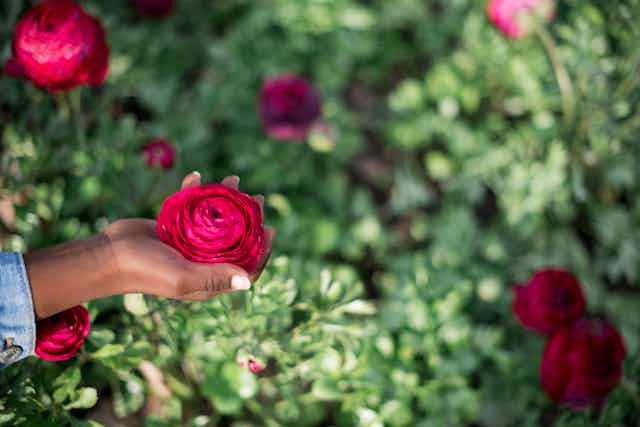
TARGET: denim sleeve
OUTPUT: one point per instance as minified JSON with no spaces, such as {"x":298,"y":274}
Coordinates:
{"x":17,"y":317}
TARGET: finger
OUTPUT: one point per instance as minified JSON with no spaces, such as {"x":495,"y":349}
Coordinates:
{"x":269,"y":235}
{"x":260,"y":200}
{"x":214,"y":279}
{"x":232,"y":182}
{"x":191,"y":180}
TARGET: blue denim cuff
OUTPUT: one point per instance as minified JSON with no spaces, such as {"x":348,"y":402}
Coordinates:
{"x":17,"y":317}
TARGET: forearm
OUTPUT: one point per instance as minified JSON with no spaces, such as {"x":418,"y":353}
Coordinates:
{"x":70,"y":274}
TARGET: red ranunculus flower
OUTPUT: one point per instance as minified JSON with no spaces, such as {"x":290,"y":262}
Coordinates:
{"x":582,"y":363}
{"x":159,"y":153}
{"x":154,"y":8}
{"x":255,"y":366}
{"x":214,"y":224}
{"x":60,"y":336}
{"x":58,"y":46}
{"x":516,"y":18}
{"x":289,"y":106}
{"x":552,"y":299}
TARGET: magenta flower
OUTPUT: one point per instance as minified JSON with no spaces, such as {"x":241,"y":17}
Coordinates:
{"x":288,"y":106}
{"x":214,"y":224}
{"x":551,"y":300}
{"x":582,"y":363}
{"x":159,"y":153}
{"x":255,"y":366}
{"x":516,"y":18}
{"x":60,"y":336}
{"x":58,"y":46}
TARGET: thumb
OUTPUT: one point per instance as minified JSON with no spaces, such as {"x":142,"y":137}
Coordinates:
{"x":214,"y":279}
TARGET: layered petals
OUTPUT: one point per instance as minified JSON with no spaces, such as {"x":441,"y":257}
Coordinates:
{"x":58,"y":46}
{"x":213,"y":224}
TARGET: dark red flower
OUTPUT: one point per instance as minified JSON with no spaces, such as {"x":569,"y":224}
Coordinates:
{"x":159,"y":153}
{"x":60,"y":336}
{"x":582,"y":363}
{"x":552,"y":299}
{"x":289,"y":106}
{"x":213,"y":224}
{"x":154,"y":8}
{"x":58,"y":46}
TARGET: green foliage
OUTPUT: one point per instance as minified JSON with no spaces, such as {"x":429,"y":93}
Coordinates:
{"x":454,"y":175}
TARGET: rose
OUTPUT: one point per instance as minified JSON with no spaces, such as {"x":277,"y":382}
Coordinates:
{"x":59,"y":46}
{"x":582,"y":363}
{"x":552,"y":299}
{"x":154,"y":8}
{"x":60,"y":336}
{"x":516,"y":18}
{"x":214,"y":224}
{"x":159,"y":153}
{"x":289,"y":107}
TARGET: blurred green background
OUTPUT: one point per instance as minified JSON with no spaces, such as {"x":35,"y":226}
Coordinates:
{"x":387,"y":302}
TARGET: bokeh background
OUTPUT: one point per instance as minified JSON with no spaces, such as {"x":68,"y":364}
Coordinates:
{"x":448,"y":176}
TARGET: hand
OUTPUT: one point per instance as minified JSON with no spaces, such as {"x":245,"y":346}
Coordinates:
{"x":145,"y":264}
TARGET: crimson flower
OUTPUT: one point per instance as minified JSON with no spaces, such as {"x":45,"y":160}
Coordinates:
{"x":582,"y":363}
{"x":60,"y":336}
{"x":58,"y":46}
{"x":213,"y":224}
{"x":289,"y":106}
{"x":159,"y":153}
{"x":552,"y":299}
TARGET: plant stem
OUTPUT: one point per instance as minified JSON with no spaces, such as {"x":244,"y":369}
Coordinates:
{"x":562,"y":75}
{"x":248,"y":302}
{"x":75,"y":104}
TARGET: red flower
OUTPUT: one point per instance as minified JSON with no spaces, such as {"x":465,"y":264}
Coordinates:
{"x":582,"y":363}
{"x":58,"y":46}
{"x":59,"y":337}
{"x":289,"y":106}
{"x":255,"y":366}
{"x":159,"y":153}
{"x":251,"y":363}
{"x":516,"y":18}
{"x":154,"y":8}
{"x":552,"y":299}
{"x":214,"y":224}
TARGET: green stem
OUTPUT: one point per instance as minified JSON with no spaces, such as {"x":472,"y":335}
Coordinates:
{"x":63,"y":105}
{"x":562,"y":75}
{"x":75,"y":104}
{"x":248,"y":302}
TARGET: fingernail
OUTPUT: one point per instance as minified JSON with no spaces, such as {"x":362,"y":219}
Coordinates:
{"x":240,"y":283}
{"x":196,"y":173}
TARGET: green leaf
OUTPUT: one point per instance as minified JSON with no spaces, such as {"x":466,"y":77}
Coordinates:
{"x":108,"y":351}
{"x":135,"y":304}
{"x":358,"y":307}
{"x":326,"y":389}
{"x":241,"y":380}
{"x":100,"y":337}
{"x":85,"y":423}
{"x":66,"y":383}
{"x":84,"y":398}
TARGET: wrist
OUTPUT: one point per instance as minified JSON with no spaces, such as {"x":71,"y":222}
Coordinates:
{"x":70,"y":274}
